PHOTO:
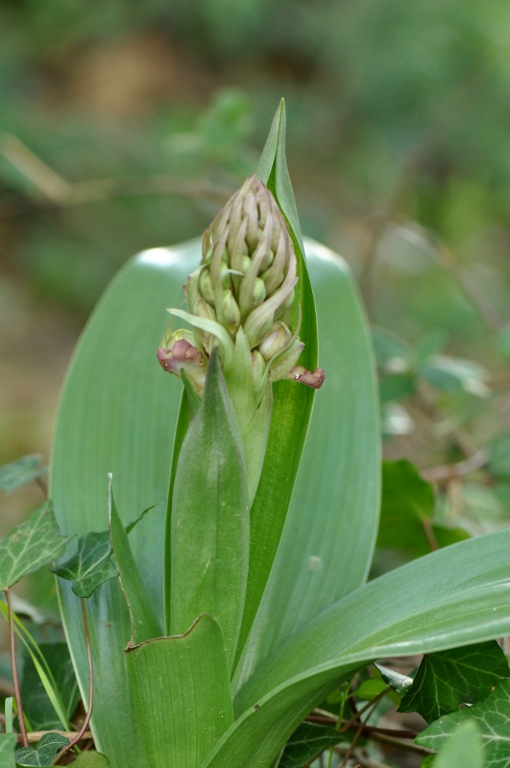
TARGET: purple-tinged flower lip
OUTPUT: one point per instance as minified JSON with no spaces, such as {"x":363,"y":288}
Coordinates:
{"x":314,"y":380}
{"x":182,"y":352}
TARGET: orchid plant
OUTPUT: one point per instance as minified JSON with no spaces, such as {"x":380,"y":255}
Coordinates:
{"x":242,"y":601}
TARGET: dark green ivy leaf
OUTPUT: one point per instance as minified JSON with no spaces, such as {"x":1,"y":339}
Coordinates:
{"x":44,"y":754}
{"x":91,"y":566}
{"x":492,"y":716}
{"x":20,"y":473}
{"x":447,"y":679}
{"x":307,"y":742}
{"x":29,"y":546}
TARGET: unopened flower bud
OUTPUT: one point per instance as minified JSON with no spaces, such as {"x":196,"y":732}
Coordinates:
{"x":275,"y":341}
{"x":178,"y":353}
{"x":230,"y":312}
{"x":314,"y":380}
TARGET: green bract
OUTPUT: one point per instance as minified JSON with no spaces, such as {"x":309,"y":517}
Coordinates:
{"x":267,"y":540}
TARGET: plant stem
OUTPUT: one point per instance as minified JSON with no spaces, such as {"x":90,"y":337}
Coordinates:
{"x":86,"y":722}
{"x":15,"y":679}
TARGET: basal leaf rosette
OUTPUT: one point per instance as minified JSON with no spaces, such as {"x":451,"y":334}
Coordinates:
{"x":240,"y":299}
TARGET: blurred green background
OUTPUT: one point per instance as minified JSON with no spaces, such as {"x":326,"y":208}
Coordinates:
{"x":125,"y":126}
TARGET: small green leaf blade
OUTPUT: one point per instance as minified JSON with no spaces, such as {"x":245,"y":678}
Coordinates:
{"x":181,"y":686}
{"x":45,"y":753}
{"x":447,"y":679}
{"x":21,"y":472}
{"x":463,"y":749}
{"x":90,"y":566}
{"x":492,"y":718}
{"x":307,"y":742}
{"x":144,"y":622}
{"x":30,"y":545}
{"x":7,"y":745}
{"x":210,"y":517}
{"x":36,"y":703}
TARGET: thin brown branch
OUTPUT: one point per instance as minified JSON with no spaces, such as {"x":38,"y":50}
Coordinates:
{"x":53,"y":192}
{"x":37,"y":735}
{"x":15,"y":678}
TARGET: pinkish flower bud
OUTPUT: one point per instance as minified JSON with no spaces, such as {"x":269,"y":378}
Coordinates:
{"x":314,"y":380}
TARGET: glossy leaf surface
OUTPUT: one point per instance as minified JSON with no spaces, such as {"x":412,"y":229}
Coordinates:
{"x":181,"y":687}
{"x":492,"y":717}
{"x":91,"y":564}
{"x":30,"y":545}
{"x":428,"y":605}
{"x":44,"y":754}
{"x":448,"y":679}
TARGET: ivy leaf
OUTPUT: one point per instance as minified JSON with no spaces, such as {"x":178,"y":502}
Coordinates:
{"x":307,"y":742}
{"x":447,"y":679}
{"x":491,"y":715}
{"x":29,"y":546}
{"x":44,"y":754}
{"x":20,"y":473}
{"x":462,"y":750}
{"x":36,"y":703}
{"x":91,"y":760}
{"x":407,"y":507}
{"x":90,"y":566}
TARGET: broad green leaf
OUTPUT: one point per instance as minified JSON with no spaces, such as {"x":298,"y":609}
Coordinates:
{"x":91,"y":760}
{"x":463,"y":749}
{"x":21,"y":472}
{"x":90,"y":566}
{"x":182,"y":694}
{"x":447,"y":679}
{"x":210,"y":517}
{"x":430,"y":604}
{"x":329,"y":534}
{"x":7,"y":745}
{"x":427,"y":605}
{"x":492,"y":717}
{"x":407,"y":505}
{"x":144,"y":621}
{"x":44,"y":754}
{"x":36,"y":703}
{"x":307,"y":742}
{"x":30,"y":545}
{"x":117,"y":414}
{"x":292,"y":404}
